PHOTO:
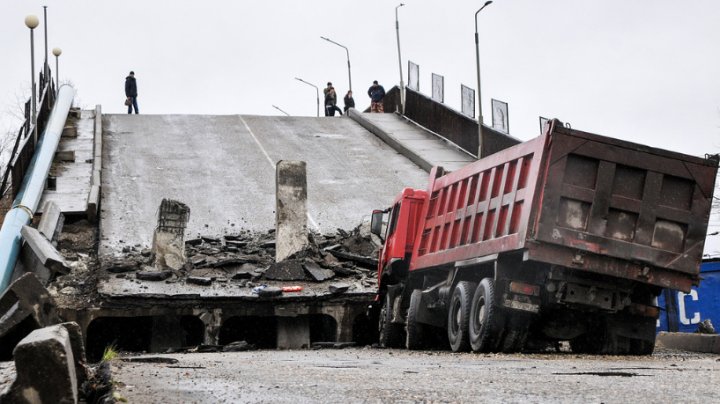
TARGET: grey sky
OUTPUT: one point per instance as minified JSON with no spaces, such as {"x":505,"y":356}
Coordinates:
{"x":645,"y":71}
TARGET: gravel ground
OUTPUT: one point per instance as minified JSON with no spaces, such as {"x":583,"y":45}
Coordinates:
{"x":379,"y":376}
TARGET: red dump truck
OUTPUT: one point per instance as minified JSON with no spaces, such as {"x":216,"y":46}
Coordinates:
{"x":569,"y":236}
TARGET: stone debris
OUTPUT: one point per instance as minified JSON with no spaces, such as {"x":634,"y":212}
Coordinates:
{"x":338,"y":288}
{"x":317,"y":273}
{"x":199,"y":280}
{"x":706,"y":327}
{"x":288,"y":270}
{"x":153,"y":275}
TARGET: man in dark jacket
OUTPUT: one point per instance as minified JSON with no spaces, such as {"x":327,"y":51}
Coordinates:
{"x":330,"y":100}
{"x":376,"y":92}
{"x":131,"y":93}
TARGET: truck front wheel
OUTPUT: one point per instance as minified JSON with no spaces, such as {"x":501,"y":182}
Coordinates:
{"x":391,"y":334}
{"x":484,"y":318}
{"x":459,"y":316}
{"x":414,"y":330}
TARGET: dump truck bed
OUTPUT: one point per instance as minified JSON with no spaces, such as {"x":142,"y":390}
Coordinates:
{"x":578,"y":200}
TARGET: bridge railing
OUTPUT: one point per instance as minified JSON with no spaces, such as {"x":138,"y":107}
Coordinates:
{"x":24,"y":144}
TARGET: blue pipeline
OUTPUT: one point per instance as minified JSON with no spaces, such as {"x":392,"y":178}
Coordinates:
{"x":27,"y":200}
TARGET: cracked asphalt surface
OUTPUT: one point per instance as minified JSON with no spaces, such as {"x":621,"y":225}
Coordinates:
{"x":368,"y":375}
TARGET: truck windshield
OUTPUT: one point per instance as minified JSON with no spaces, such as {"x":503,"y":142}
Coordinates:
{"x":392,"y":222}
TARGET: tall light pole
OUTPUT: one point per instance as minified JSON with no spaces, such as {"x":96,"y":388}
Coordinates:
{"x":46,"y":67}
{"x":317,"y":91}
{"x":477,"y":62}
{"x":32,"y":22}
{"x":279,"y":109}
{"x":402,"y":84}
{"x":348,"y":59}
{"x":57,"y":52}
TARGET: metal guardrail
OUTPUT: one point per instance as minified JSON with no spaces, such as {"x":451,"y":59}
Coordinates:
{"x":24,"y":145}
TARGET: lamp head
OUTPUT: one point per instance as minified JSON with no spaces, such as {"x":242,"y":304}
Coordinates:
{"x":32,"y":21}
{"x":57,"y":51}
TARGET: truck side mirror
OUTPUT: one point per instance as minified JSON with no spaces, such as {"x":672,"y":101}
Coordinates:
{"x":376,"y":223}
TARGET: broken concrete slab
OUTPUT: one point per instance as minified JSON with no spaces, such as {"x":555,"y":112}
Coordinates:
{"x":338,"y":287}
{"x":270,"y":291}
{"x":78,"y":348}
{"x":291,"y":209}
{"x":25,"y":306}
{"x":44,"y":256}
{"x":45,"y":368}
{"x":153,"y":275}
{"x":51,"y":222}
{"x":291,"y":270}
{"x":706,"y":343}
{"x":199,"y":280}
{"x":239,"y":346}
{"x":316,"y":272}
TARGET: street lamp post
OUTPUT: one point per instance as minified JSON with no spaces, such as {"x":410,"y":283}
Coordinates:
{"x":279,"y":109}
{"x":317,"y":91}
{"x":402,"y":84}
{"x":32,"y":22}
{"x":348,"y":59}
{"x":477,"y":62}
{"x":57,"y":52}
{"x":46,"y":67}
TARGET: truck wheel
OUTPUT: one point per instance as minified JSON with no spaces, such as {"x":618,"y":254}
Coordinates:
{"x":390,"y":333}
{"x":484,"y":318}
{"x":414,"y":330}
{"x":459,"y":316}
{"x":641,"y":347}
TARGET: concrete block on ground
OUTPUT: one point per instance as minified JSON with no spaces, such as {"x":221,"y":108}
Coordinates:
{"x":78,"y":348}
{"x":293,"y":333}
{"x":25,"y":306}
{"x":707,"y":343}
{"x":44,"y":251}
{"x":291,"y":209}
{"x":45,"y":370}
{"x":51,"y":222}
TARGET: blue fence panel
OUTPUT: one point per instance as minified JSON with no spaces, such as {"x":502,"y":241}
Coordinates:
{"x":683,"y":311}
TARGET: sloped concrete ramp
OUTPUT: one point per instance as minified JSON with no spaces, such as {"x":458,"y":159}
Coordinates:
{"x":222,"y":167}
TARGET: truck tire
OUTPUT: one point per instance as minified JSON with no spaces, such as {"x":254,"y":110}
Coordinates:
{"x":390,"y":334}
{"x":459,"y":316}
{"x":484,"y":318}
{"x":414,"y":331}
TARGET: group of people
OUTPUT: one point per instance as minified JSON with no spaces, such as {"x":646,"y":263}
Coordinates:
{"x":376,"y":92}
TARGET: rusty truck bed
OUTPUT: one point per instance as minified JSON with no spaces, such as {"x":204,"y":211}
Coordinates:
{"x":578,"y":200}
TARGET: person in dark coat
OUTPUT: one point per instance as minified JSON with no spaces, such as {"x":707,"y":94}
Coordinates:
{"x":131,"y":93}
{"x":349,"y":101}
{"x":376,"y":92}
{"x":330,"y":100}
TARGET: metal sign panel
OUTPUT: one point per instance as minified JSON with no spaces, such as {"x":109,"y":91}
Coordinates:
{"x":467,"y":101}
{"x":413,"y":76}
{"x":543,"y":121}
{"x":438,"y":88}
{"x":500,"y":118}
{"x":683,"y":312}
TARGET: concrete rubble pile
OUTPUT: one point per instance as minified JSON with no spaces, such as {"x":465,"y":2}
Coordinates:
{"x":247,"y":260}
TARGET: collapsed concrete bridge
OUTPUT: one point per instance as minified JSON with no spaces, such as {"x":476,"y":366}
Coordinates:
{"x":117,"y":168}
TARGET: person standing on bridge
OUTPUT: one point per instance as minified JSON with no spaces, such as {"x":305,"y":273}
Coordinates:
{"x":349,"y":101}
{"x":330,"y":100}
{"x":131,"y":93}
{"x":376,"y":92}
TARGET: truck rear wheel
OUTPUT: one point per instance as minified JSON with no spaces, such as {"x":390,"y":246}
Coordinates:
{"x":484,"y":318}
{"x":414,"y":330}
{"x":459,"y":316}
{"x":390,"y":333}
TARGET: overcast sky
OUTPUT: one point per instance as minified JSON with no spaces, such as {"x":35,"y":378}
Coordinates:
{"x":645,"y":71}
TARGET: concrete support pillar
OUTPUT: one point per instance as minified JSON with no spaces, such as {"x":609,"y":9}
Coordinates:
{"x":344,"y":317}
{"x":213,"y":321}
{"x":168,"y":240}
{"x":291,"y":209}
{"x":293,"y":332}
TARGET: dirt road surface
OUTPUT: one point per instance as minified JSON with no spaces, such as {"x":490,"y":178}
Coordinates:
{"x":367,"y":375}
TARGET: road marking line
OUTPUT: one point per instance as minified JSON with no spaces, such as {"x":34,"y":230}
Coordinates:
{"x":274,"y":166}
